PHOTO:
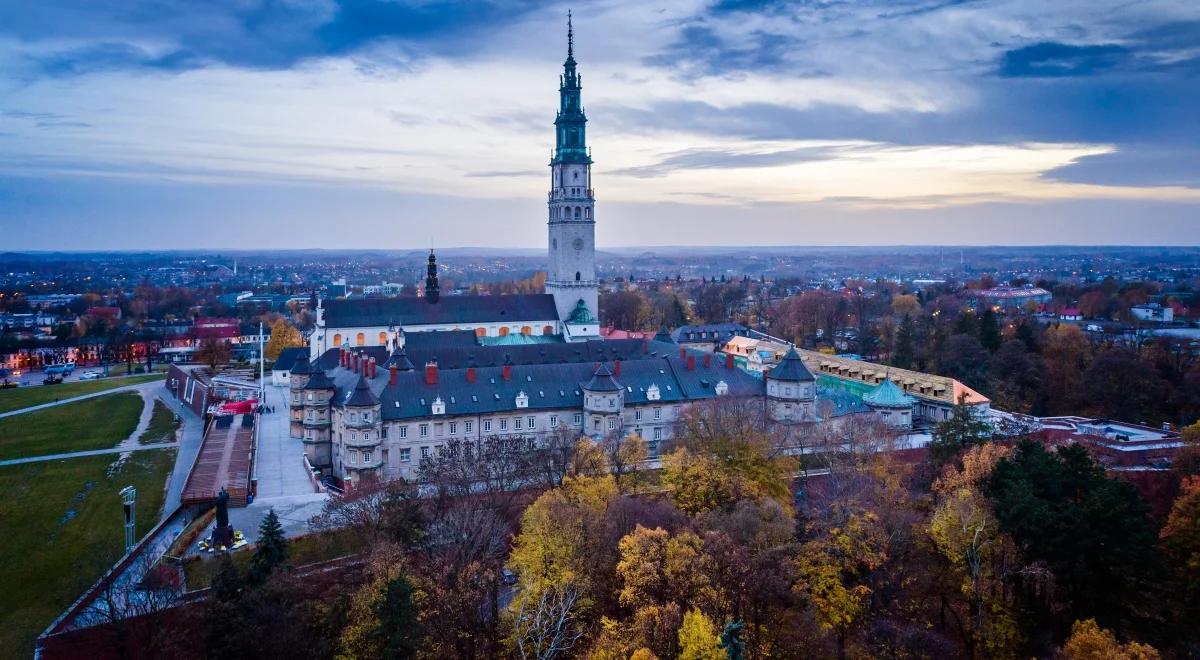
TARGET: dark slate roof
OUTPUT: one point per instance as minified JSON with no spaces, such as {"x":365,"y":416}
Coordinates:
{"x":400,"y":359}
{"x":548,"y":386}
{"x":664,"y":336}
{"x":412,"y":310}
{"x":723,"y":332}
{"x":602,"y":381}
{"x":790,"y":368}
{"x":290,"y":357}
{"x":319,"y":380}
{"x":451,"y":356}
{"x":439,"y":338}
{"x":299,"y":364}
{"x":361,"y":396}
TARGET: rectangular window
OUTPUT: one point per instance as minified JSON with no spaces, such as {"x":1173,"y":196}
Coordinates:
{"x":383,"y":434}
{"x":453,"y":428}
{"x":424,"y":430}
{"x":366,"y":416}
{"x":612,"y":424}
{"x":532,"y":444}
{"x":504,"y":425}
{"x":424,"y":452}
{"x":517,"y":424}
{"x":553,"y":420}
{"x":487,"y":426}
{"x":658,"y":434}
{"x":529,"y":422}
{"x":637,"y":415}
{"x":658,"y":413}
{"x":366,"y":458}
{"x":468,"y":426}
{"x":353,"y":457}
{"x":578,"y":419}
{"x":403,"y":432}
{"x":405,"y":454}
{"x":353,"y":435}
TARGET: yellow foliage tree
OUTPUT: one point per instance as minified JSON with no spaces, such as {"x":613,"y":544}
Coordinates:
{"x":283,"y":335}
{"x":698,"y":638}
{"x":1088,"y":641}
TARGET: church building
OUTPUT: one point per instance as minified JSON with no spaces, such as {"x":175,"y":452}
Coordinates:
{"x":568,"y":310}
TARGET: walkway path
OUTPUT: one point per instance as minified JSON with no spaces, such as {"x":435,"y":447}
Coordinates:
{"x":42,"y":406}
{"x":90,"y":452}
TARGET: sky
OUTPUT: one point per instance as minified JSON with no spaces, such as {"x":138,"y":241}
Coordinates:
{"x":175,"y":124}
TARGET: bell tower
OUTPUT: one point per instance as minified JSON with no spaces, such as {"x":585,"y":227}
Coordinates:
{"x":571,"y":278}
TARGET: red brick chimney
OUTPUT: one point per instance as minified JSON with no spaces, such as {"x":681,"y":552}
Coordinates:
{"x":392,"y":371}
{"x":371,"y":366}
{"x":682,"y":352}
{"x":729,"y":360}
{"x":431,"y":372}
{"x":691,"y":363}
{"x":707,"y":360}
{"x":617,"y":367}
{"x":470,"y":374}
{"x":506,"y":372}
{"x":343,"y":358}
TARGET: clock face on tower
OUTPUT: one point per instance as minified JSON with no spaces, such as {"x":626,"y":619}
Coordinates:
{"x":578,"y":243}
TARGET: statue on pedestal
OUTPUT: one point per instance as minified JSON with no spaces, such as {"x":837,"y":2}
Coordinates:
{"x":222,"y":536}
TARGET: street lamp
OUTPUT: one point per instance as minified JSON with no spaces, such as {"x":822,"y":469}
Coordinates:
{"x":128,"y":498}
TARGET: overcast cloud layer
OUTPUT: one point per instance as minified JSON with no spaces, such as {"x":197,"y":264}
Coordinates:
{"x":372,"y":123}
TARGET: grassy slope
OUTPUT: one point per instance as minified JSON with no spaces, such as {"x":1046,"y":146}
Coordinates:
{"x":23,"y":397}
{"x":49,"y":555}
{"x":162,"y":425}
{"x":96,"y":423}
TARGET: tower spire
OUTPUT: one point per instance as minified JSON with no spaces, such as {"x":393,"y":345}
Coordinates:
{"x":570,"y":37}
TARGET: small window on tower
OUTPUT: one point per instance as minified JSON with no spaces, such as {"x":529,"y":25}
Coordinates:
{"x":577,"y":276}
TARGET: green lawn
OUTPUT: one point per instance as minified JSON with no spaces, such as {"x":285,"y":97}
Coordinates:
{"x":23,"y":397}
{"x":302,"y":550}
{"x":97,"y":423}
{"x":162,"y":425}
{"x":62,"y":528}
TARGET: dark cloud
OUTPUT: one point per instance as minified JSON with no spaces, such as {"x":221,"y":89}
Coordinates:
{"x":1134,"y":165}
{"x":704,"y":159}
{"x":269,"y":34}
{"x":1049,"y":59}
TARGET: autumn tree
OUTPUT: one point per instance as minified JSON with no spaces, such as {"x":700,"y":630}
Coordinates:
{"x":213,"y":351}
{"x":283,"y":335}
{"x":964,"y":429}
{"x":698,"y":639}
{"x":1181,"y":538}
{"x":1088,"y":641}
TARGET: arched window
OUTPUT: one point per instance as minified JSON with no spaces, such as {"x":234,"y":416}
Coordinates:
{"x":587,"y":213}
{"x":337,"y":339}
{"x":382,"y":338}
{"x":504,"y":331}
{"x":576,"y":212}
{"x":577,"y":276}
{"x":360,"y":339}
{"x":480,"y":332}
{"x":526,"y":330}
{"x":547,"y":330}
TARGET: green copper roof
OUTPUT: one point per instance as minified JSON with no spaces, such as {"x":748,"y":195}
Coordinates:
{"x":581,"y":314}
{"x":888,"y":395}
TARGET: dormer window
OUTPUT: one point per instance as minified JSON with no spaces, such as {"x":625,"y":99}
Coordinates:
{"x":722,"y":388}
{"x":439,"y":406}
{"x":653,"y":393}
{"x":522,"y":400}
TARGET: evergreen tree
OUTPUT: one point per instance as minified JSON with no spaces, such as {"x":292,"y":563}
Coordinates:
{"x":1026,"y":336}
{"x":270,"y":550}
{"x":962,"y":431}
{"x":903,"y":356}
{"x":968,"y":324}
{"x":398,"y":626}
{"x":989,"y":330}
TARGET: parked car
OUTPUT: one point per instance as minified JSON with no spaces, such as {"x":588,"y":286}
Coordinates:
{"x":52,"y":380}
{"x":90,"y":375}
